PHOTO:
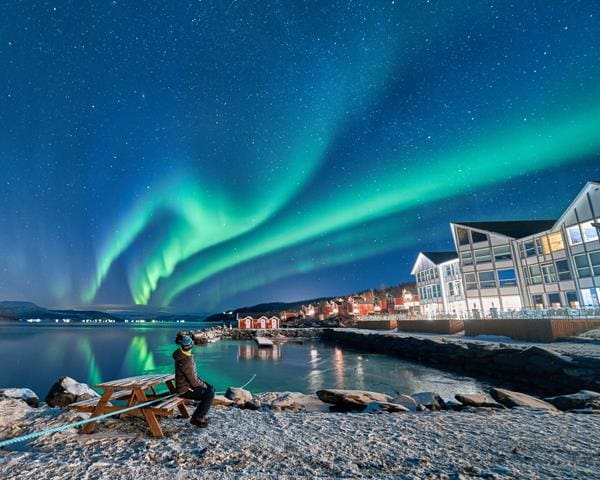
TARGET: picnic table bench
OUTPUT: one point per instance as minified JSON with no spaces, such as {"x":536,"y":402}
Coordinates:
{"x":132,"y":391}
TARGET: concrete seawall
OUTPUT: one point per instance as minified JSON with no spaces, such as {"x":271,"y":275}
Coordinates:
{"x":532,"y":369}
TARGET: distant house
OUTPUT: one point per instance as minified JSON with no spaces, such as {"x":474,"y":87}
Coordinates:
{"x":263,"y":322}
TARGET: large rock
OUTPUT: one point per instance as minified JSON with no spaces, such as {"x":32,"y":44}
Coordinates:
{"x":406,"y":401}
{"x":292,"y":402}
{"x":512,"y":399}
{"x":378,"y":407}
{"x":222,"y":401}
{"x":66,"y":391}
{"x":477,"y":400}
{"x":351,"y":399}
{"x":579,"y":400}
{"x":238,"y":395}
{"x":430,"y":400}
{"x":25,"y":394}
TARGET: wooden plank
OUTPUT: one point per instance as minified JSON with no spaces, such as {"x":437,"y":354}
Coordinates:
{"x":181,"y":406}
{"x":149,"y":415}
{"x":98,"y":410}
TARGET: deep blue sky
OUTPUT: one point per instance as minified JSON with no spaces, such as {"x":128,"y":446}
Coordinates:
{"x":207,"y":155}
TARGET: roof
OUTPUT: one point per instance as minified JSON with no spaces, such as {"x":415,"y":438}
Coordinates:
{"x":440,"y":257}
{"x":513,"y":228}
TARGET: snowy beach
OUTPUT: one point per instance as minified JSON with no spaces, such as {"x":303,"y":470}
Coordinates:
{"x":517,"y":443}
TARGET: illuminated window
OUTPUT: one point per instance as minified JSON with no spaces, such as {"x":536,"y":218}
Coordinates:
{"x":554,"y":300}
{"x":507,"y":278}
{"x":556,"y":242}
{"x":572,"y":299}
{"x":589,"y":232}
{"x":575,"y":237}
{"x":463,"y":236}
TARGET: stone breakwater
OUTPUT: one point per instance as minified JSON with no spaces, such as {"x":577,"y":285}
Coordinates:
{"x":531,"y":368}
{"x":204,"y":336}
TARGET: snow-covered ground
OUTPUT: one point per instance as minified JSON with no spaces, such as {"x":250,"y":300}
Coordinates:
{"x":519,"y":443}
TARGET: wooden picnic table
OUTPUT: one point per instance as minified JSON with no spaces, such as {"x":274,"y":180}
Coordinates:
{"x":132,"y":391}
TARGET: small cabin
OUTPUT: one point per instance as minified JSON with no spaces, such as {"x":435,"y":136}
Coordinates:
{"x":263,"y":322}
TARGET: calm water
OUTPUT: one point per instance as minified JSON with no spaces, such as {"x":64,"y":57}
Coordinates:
{"x":34,"y":356}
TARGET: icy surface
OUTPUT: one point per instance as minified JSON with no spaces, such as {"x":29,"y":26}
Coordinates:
{"x":522,"y":443}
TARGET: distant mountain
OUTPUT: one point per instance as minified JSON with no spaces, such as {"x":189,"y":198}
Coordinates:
{"x":11,"y":310}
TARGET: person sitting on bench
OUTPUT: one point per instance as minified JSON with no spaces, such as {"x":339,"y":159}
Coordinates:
{"x":187,"y":383}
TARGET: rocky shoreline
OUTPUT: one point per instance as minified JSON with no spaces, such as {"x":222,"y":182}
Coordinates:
{"x":503,"y":434}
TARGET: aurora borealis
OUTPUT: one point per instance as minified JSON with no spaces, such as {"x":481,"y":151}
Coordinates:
{"x":207,"y":155}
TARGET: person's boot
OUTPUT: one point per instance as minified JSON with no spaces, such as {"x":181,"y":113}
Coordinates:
{"x":199,"y":422}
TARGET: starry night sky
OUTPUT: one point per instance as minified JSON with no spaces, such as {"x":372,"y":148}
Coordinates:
{"x":208,"y":155}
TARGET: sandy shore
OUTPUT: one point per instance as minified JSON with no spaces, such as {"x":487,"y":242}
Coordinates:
{"x":519,"y":443}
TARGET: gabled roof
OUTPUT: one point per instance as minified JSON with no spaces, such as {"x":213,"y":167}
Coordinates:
{"x":513,"y":228}
{"x":440,"y":257}
{"x":583,"y":191}
{"x":434,"y":257}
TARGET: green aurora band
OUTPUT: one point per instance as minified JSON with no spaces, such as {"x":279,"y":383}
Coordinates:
{"x":204,"y":217}
{"x":528,"y":148}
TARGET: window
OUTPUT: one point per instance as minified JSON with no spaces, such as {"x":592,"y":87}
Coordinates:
{"x":507,"y":278}
{"x":553,"y":243}
{"x":529,"y":249}
{"x":535,"y":275}
{"x":574,"y":235}
{"x":583,"y":266}
{"x":589,"y":232}
{"x":487,"y":279}
{"x":595,"y":261}
{"x":502,"y":253}
{"x":554,"y":300}
{"x":463,"y":236}
{"x":483,"y":255}
{"x":572,"y":299}
{"x":478,"y":237}
{"x":466,"y":258}
{"x":589,"y":297}
{"x":451,"y":289}
{"x":470,"y":281}
{"x":563,"y":270}
{"x":549,"y":273}
{"x":538,"y":301}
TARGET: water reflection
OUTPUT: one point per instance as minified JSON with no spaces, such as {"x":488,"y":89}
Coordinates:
{"x":250,"y":352}
{"x":35,"y":356}
{"x":138,"y":358}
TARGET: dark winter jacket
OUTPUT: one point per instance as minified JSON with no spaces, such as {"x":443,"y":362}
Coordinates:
{"x":186,"y":377}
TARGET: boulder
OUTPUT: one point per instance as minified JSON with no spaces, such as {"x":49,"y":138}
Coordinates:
{"x":222,"y":401}
{"x":25,"y":394}
{"x":66,"y":391}
{"x":252,"y":404}
{"x":455,"y":406}
{"x":378,"y":407}
{"x":292,"y":402}
{"x":238,"y":395}
{"x":512,"y":399}
{"x":406,"y":401}
{"x":351,"y":399}
{"x":581,"y":399}
{"x":430,"y":400}
{"x":477,"y":400}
